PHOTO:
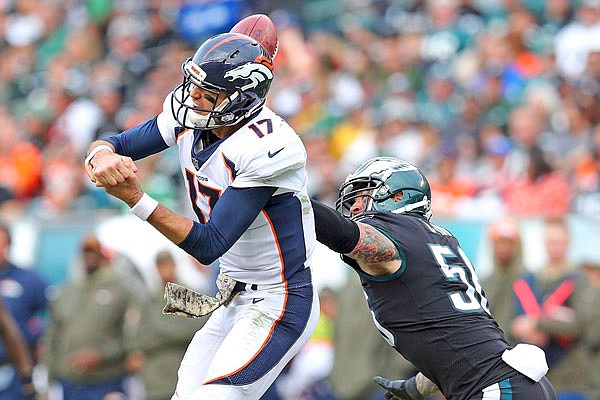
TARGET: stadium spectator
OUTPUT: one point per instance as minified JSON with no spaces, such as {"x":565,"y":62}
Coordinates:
{"x":160,"y":340}
{"x":396,"y":134}
{"x":586,"y":201}
{"x":424,"y":295}
{"x":505,"y":239}
{"x":20,"y":161}
{"x":591,"y":326}
{"x":528,"y":195}
{"x":86,"y":344}
{"x":525,"y":128}
{"x":18,"y":353}
{"x":452,"y":190}
{"x":546,"y":310}
{"x":24,"y":294}
{"x":574,"y":41}
{"x":237,"y":158}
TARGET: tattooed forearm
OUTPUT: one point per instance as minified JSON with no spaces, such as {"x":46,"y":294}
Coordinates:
{"x":373,"y":246}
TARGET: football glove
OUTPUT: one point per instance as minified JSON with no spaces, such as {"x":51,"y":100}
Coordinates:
{"x":400,"y":389}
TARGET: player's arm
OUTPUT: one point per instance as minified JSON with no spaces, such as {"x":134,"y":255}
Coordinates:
{"x":17,"y":349}
{"x":235,"y":211}
{"x":110,"y":161}
{"x":376,"y":253}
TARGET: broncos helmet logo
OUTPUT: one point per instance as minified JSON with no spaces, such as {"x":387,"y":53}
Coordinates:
{"x":254,"y":72}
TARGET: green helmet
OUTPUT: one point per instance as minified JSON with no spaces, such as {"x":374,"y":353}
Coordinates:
{"x":379,"y":179}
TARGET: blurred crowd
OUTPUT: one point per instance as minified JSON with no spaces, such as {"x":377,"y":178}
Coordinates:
{"x":497,"y":101}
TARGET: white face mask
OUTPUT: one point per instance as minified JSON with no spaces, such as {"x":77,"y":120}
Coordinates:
{"x":201,"y":121}
{"x":206,"y":121}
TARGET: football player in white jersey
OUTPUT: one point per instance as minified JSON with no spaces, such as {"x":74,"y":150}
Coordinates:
{"x":244,"y":169}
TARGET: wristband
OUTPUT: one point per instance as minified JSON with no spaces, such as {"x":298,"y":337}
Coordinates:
{"x":95,"y":150}
{"x":144,"y":207}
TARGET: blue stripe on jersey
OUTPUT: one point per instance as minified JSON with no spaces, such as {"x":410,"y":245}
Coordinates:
{"x":210,"y":241}
{"x":285,"y":214}
{"x":140,"y":141}
{"x":505,"y":390}
{"x":282,"y":337}
{"x":230,"y":166}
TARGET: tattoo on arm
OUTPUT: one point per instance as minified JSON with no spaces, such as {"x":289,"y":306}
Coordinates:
{"x":373,"y":246}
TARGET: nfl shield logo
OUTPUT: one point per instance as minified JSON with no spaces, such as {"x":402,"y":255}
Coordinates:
{"x":196,"y":163}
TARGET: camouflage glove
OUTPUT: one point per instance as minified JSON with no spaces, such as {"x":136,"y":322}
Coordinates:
{"x":400,"y":389}
{"x":181,"y":300}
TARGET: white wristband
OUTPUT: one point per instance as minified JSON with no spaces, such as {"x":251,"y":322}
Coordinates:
{"x":144,"y":207}
{"x":95,"y":150}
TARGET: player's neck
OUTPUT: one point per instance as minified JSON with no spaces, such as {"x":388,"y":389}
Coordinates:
{"x":227,"y":130}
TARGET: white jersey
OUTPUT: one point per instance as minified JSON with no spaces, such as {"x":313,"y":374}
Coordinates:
{"x":266,"y":151}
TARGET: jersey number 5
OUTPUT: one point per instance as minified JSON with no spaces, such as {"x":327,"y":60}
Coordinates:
{"x":470,"y":300}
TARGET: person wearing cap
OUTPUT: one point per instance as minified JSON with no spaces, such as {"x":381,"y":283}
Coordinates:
{"x":86,"y":343}
{"x":162,"y":339}
{"x":505,"y":239}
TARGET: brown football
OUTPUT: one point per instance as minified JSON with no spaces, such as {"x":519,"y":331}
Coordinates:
{"x":260,"y":28}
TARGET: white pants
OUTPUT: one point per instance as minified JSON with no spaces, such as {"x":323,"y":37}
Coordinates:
{"x":242,"y":348}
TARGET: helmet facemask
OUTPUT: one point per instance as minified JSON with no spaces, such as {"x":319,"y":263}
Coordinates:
{"x":353,"y":189}
{"x":190,"y":116}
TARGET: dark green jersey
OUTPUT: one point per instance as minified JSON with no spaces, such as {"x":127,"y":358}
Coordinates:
{"x":433,"y":309}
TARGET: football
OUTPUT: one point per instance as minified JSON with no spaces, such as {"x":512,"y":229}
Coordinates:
{"x":260,"y":28}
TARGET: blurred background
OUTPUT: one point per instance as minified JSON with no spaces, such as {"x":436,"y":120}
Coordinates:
{"x":497,"y":101}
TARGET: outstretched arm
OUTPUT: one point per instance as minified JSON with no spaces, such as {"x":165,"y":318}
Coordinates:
{"x":375,"y":253}
{"x":206,"y":242}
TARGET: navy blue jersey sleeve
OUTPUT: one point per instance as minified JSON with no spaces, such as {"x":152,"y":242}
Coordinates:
{"x":236,"y":209}
{"x":140,"y":141}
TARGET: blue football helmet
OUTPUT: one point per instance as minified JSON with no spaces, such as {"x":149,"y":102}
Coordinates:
{"x":229,"y":63}
{"x":378,"y":180}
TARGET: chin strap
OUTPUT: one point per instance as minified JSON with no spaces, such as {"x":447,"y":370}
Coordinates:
{"x":412,"y":206}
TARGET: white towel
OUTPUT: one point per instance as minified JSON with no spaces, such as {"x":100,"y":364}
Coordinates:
{"x":528,"y":359}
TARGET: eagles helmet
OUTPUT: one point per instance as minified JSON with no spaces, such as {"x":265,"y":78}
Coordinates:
{"x":231,"y":63}
{"x":378,"y":180}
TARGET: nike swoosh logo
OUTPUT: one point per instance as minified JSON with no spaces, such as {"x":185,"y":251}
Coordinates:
{"x":274,"y":153}
{"x":257,"y":299}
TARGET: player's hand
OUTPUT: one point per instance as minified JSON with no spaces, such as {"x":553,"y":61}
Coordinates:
{"x":525,"y":329}
{"x":128,"y":191}
{"x":109,"y":169}
{"x":85,"y":360}
{"x":400,"y":389}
